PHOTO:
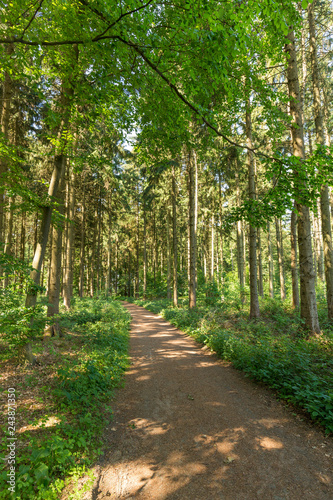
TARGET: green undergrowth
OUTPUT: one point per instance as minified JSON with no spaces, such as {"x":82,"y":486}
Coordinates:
{"x":73,"y":386}
{"x":272,"y":350}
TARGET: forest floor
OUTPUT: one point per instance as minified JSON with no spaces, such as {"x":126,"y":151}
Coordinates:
{"x":189,"y":426}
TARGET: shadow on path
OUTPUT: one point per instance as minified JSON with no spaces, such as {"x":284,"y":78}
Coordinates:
{"x":188,"y":426}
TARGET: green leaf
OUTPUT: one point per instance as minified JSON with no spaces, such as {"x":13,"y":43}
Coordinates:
{"x":41,"y":474}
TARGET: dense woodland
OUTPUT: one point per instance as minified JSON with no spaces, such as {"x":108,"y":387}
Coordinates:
{"x":167,"y":149}
{"x":164,"y":148}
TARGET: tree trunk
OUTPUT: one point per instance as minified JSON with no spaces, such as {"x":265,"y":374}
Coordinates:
{"x":240,"y":244}
{"x":254,"y":300}
{"x":83,"y":242}
{"x":307,"y":278}
{"x":270,"y":263}
{"x":212,"y":254}
{"x":192,"y":233}
{"x":69,"y":244}
{"x":320,"y":138}
{"x":174,"y":238}
{"x":293,"y":244}
{"x":137,"y":271}
{"x":260,"y":274}
{"x":279,"y":248}
{"x":318,"y":247}
{"x":221,"y":232}
{"x":7,"y":93}
{"x":168,"y":257}
{"x":53,"y":328}
{"x":144,"y":255}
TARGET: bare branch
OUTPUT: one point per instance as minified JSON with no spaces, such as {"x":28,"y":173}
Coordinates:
{"x":31,"y":20}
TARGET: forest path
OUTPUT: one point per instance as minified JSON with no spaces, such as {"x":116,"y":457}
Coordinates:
{"x":188,"y":426}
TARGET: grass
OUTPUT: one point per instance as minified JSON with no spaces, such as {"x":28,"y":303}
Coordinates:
{"x":272,"y":350}
{"x":63,"y":404}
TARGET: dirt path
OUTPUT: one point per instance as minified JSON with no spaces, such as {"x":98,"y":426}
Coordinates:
{"x":188,"y":426}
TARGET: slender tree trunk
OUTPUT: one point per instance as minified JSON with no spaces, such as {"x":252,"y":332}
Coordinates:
{"x":7,"y":93}
{"x":109,"y":253}
{"x":307,"y":278}
{"x":221,"y":232}
{"x":254,"y":300}
{"x":53,"y":328}
{"x":293,"y":244}
{"x":9,"y":233}
{"x":116,"y":266}
{"x":69,"y":244}
{"x":240,"y":243}
{"x":174,"y":239}
{"x":260,"y":280}
{"x":192,"y":233}
{"x":168,"y":257}
{"x":280,"y":257}
{"x":93,"y":256}
{"x":318,"y":247}
{"x":212,"y":254}
{"x":98,"y":250}
{"x":320,"y":138}
{"x":129,"y":276}
{"x":137,"y":271}
{"x":83,"y":242}
{"x":144,"y":255}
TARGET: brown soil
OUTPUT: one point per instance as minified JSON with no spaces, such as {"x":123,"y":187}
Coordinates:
{"x":188,"y":426}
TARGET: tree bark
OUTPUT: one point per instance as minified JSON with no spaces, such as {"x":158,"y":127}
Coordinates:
{"x":69,"y":243}
{"x":144,"y":255}
{"x":279,"y":248}
{"x":83,"y":242}
{"x":174,"y":239}
{"x":168,"y":256}
{"x":221,"y":232}
{"x":192,"y":232}
{"x":260,"y":273}
{"x":270,"y":263}
{"x":7,"y":93}
{"x":293,"y":245}
{"x":307,"y":278}
{"x":254,"y":300}
{"x":53,"y":328}
{"x":240,"y":243}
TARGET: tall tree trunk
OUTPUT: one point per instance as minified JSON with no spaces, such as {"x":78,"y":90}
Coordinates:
{"x":137,"y":270}
{"x":318,"y":246}
{"x":98,"y":250}
{"x":240,"y":243}
{"x":293,"y":245}
{"x":220,"y":227}
{"x":83,"y":242}
{"x":254,"y":300}
{"x":9,"y":233}
{"x":168,"y":256}
{"x":260,"y":274}
{"x":93,"y":255}
{"x":7,"y":93}
{"x":212,"y":254}
{"x":192,"y":233}
{"x":174,"y":239}
{"x":69,"y":243}
{"x":270,"y":262}
{"x":144,"y":255}
{"x":53,"y":327}
{"x":116,"y":266}
{"x":279,"y":248}
{"x":307,"y":278}
{"x":320,"y":138}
